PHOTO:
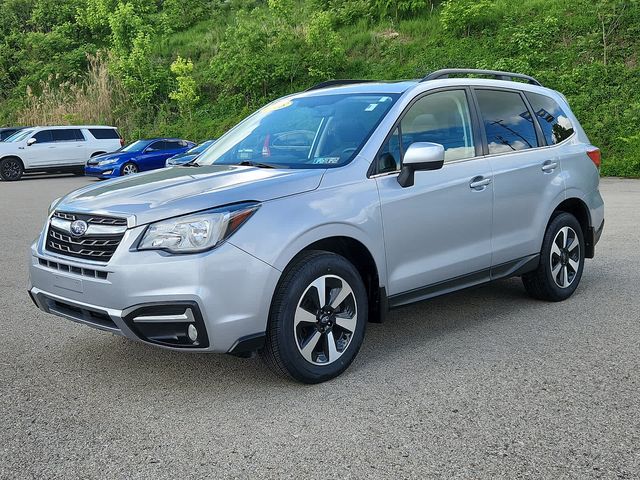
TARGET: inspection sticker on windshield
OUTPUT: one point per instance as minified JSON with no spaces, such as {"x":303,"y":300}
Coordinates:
{"x":371,"y":107}
{"x":326,"y":160}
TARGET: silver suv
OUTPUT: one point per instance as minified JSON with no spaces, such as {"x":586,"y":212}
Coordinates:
{"x":323,"y":210}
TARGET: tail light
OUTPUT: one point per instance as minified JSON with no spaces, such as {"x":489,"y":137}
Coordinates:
{"x":122,"y":142}
{"x":595,"y":156}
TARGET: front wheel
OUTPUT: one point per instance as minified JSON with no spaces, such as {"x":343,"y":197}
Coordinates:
{"x":561,"y":261}
{"x":129,"y":169}
{"x":317,"y":318}
{"x":11,"y":169}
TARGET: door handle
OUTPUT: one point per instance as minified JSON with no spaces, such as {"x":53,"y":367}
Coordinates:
{"x":549,"y":166}
{"x":479,"y":183}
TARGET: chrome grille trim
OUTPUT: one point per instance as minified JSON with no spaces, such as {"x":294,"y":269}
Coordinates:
{"x":99,"y":243}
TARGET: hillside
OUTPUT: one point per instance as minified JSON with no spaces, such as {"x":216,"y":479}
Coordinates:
{"x":193,"y":68}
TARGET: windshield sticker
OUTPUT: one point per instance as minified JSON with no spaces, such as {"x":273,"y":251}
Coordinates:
{"x":371,"y":107}
{"x":384,"y":99}
{"x":326,"y":160}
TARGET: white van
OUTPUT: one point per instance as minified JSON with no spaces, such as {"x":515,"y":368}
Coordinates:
{"x":55,"y":149}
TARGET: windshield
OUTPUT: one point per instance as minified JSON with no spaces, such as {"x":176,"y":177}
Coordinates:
{"x":19,"y":135}
{"x":308,"y":132}
{"x":202,"y":147}
{"x":136,"y":146}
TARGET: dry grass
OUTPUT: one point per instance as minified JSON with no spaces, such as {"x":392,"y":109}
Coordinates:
{"x":98,"y":99}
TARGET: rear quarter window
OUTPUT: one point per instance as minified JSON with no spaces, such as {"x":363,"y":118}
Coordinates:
{"x":105,"y":133}
{"x":553,"y":121}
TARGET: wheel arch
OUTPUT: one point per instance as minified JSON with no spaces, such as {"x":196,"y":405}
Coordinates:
{"x":579,"y":209}
{"x":363,"y":260}
{"x":13,"y":155}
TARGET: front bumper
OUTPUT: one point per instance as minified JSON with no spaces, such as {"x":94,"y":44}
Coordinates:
{"x":106,"y":171}
{"x":229,"y":292}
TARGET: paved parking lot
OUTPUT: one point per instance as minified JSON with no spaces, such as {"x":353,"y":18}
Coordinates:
{"x":480,"y":384}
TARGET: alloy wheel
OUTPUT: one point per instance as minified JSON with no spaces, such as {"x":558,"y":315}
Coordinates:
{"x":325,"y":320}
{"x":11,"y":169}
{"x":565,"y":257}
{"x":129,"y":169}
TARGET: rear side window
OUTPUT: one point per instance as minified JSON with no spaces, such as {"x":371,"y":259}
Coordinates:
{"x":554,"y":123}
{"x":105,"y":133}
{"x":174,"y":144}
{"x":507,"y":121}
{"x":43,"y":136}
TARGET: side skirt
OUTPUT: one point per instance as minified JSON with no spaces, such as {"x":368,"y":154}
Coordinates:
{"x":505,"y":270}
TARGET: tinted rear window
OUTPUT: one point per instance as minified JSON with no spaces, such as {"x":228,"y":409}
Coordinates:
{"x":507,"y":121}
{"x":105,"y":133}
{"x":555,"y":124}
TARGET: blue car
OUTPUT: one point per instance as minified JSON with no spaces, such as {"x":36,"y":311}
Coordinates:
{"x":189,"y":155}
{"x":138,"y":156}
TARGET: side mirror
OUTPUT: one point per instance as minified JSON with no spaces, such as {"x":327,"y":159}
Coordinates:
{"x":420,"y":156}
{"x":31,"y":141}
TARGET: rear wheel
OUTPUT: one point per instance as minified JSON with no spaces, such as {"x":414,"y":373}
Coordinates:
{"x":561,"y":261}
{"x":317,"y":318}
{"x":11,"y":169}
{"x":129,"y":169}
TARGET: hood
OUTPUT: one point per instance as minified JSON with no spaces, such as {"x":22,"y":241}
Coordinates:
{"x":111,"y":156}
{"x":168,"y":192}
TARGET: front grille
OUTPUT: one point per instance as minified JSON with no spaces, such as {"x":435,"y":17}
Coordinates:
{"x":89,"y":247}
{"x":63,"y":267}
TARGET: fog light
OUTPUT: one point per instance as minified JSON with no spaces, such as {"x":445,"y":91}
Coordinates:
{"x":192,"y":331}
{"x":107,"y":172}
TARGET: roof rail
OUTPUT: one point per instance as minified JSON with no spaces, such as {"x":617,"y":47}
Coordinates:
{"x":336,"y":83}
{"x":444,"y":73}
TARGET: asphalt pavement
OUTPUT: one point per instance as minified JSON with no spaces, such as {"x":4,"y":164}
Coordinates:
{"x":485,"y":383}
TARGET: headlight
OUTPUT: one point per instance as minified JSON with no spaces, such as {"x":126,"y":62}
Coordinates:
{"x":196,"y":232}
{"x":53,"y":205}
{"x":102,"y":163}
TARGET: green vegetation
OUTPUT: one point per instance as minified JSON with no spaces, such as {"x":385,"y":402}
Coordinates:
{"x":193,"y":68}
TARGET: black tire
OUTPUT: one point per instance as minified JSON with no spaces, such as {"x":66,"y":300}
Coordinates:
{"x":11,"y":169}
{"x":542,"y":284}
{"x":282,"y":351}
{"x":130,"y":165}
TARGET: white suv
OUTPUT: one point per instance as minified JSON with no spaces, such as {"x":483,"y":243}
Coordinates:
{"x":55,"y":149}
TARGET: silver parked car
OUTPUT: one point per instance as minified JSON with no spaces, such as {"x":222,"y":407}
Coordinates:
{"x":323,"y":210}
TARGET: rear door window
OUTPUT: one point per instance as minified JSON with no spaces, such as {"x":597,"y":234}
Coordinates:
{"x":65,"y":134}
{"x":507,"y":121}
{"x":554,"y":123}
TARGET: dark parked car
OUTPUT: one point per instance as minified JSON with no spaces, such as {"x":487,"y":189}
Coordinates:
{"x":138,"y":156}
{"x":189,"y":155}
{"x":6,"y":132}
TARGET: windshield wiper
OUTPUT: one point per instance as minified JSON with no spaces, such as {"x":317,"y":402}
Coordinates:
{"x":249,"y":163}
{"x":192,"y":163}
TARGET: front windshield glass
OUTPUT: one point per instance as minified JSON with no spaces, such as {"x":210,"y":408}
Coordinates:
{"x":19,"y":135}
{"x":307,"y":132}
{"x":135,"y":146}
{"x":202,"y":147}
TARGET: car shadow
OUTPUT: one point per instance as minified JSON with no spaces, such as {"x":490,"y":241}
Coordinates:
{"x":404,"y":329}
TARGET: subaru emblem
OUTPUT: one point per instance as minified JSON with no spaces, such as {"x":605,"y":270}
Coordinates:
{"x":78,"y":228}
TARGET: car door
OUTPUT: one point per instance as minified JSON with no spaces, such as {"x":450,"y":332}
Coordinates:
{"x":527,"y":178}
{"x":70,"y":146}
{"x":154,"y":156}
{"x":43,"y":152}
{"x":437,"y":233}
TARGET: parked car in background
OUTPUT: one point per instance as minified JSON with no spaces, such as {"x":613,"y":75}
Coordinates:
{"x":138,"y":156}
{"x":189,"y":155}
{"x":405,"y":191}
{"x":55,"y":149}
{"x":6,"y":132}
